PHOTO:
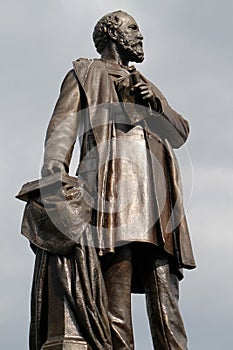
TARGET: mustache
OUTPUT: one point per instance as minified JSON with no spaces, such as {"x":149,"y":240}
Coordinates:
{"x":138,"y":43}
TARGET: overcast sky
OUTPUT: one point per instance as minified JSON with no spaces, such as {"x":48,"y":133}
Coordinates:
{"x":189,"y":56}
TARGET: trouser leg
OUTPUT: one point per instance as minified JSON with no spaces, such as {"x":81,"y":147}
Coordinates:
{"x":117,"y":273}
{"x":162,"y":296}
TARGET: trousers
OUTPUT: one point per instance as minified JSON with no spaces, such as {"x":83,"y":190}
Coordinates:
{"x":161,"y":289}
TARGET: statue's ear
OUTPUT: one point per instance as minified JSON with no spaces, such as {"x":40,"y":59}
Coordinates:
{"x":113,"y":28}
{"x":112,"y":32}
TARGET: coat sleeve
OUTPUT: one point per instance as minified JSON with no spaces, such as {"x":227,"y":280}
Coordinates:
{"x":62,"y":129}
{"x":168,"y":123}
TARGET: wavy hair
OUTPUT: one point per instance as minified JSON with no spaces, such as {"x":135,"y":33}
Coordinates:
{"x":100,"y":33}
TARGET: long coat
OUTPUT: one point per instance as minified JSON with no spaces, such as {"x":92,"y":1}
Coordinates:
{"x":83,"y":111}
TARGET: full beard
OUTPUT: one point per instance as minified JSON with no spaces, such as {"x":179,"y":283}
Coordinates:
{"x":132,"y":51}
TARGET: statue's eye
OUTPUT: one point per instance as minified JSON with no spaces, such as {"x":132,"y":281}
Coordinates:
{"x":133,"y":26}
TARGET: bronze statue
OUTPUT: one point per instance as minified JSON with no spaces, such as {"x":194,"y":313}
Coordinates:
{"x":126,"y":233}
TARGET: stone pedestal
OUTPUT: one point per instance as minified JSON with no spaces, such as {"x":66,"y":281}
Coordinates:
{"x":63,"y":343}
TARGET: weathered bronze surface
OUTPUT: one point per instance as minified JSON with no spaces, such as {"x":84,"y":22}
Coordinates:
{"x":120,"y":228}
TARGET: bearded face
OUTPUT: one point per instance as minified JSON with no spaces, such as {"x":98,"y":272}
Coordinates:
{"x":132,"y":50}
{"x":129,"y":40}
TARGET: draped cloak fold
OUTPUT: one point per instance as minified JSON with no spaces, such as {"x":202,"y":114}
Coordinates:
{"x":66,"y":267}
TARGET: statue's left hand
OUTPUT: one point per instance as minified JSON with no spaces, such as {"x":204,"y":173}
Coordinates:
{"x":143,"y":90}
{"x":146,"y":95}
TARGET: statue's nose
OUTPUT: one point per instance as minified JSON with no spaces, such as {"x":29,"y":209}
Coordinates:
{"x":140,"y":36}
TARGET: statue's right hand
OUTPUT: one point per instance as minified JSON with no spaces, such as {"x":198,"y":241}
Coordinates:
{"x":52,"y":167}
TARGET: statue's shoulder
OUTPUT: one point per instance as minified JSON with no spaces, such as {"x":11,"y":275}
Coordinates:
{"x":83,"y":66}
{"x":85,"y":63}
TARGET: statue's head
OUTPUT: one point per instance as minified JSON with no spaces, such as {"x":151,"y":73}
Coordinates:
{"x":121,"y":29}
